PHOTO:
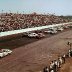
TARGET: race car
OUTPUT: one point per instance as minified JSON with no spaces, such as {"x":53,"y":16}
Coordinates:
{"x":40,"y":35}
{"x":51,"y":31}
{"x":5,"y":52}
{"x":60,"y":29}
{"x":32,"y":35}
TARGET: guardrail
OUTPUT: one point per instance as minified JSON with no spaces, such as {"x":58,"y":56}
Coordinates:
{"x":6,"y":33}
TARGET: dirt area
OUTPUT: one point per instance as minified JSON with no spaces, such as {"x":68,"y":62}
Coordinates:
{"x":31,"y":55}
{"x":67,"y":67}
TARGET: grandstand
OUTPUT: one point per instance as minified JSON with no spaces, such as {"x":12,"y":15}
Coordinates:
{"x":15,"y":21}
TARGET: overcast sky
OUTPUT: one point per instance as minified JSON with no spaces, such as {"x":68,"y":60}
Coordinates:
{"x":59,"y":7}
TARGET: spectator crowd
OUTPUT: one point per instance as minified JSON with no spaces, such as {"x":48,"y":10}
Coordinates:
{"x":15,"y":21}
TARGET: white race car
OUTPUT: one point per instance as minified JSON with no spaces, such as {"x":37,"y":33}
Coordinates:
{"x":51,"y":31}
{"x":5,"y":52}
{"x":60,"y":29}
{"x":40,"y":35}
{"x":31,"y":35}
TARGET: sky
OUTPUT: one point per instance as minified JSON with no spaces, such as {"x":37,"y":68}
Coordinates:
{"x":59,"y":7}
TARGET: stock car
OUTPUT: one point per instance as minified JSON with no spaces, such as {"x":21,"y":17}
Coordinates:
{"x":51,"y":31}
{"x":31,"y":35}
{"x":40,"y":35}
{"x":60,"y":29}
{"x":34,"y":35}
{"x":5,"y":52}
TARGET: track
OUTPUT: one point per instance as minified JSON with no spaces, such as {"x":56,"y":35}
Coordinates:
{"x":35,"y":54}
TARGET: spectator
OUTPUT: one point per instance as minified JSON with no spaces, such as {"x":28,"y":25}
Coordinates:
{"x":51,"y":66}
{"x":63,"y":58}
{"x":46,"y":69}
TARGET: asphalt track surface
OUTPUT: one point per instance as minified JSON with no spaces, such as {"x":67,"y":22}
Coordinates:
{"x":31,"y":55}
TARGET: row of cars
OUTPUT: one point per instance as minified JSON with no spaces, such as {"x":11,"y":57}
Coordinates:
{"x":5,"y":52}
{"x":34,"y":35}
{"x":41,"y":34}
{"x":54,"y":30}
